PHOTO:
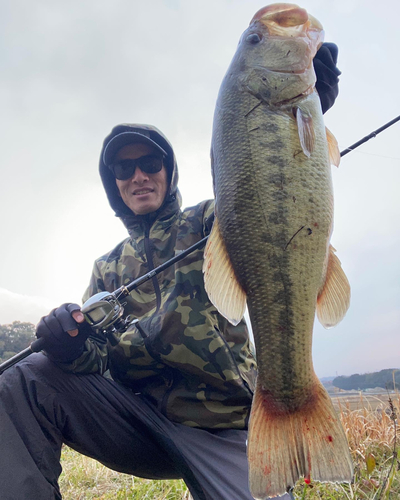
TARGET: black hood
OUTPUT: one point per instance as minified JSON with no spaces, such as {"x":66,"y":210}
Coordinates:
{"x":172,"y":199}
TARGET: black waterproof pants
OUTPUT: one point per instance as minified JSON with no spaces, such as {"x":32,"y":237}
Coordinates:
{"x":42,"y":407}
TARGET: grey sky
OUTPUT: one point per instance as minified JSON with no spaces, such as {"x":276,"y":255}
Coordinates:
{"x":72,"y":70}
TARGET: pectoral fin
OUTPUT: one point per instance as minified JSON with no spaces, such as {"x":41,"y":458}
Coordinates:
{"x":306,"y":131}
{"x":219,"y":278}
{"x":334,"y":296}
{"x":333,"y":148}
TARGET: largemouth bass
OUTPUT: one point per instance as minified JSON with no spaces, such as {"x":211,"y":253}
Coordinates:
{"x":269,"y":246}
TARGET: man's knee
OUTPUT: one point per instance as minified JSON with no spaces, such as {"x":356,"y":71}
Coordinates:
{"x":25,"y":373}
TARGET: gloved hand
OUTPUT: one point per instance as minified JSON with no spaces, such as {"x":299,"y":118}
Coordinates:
{"x":64,"y":332}
{"x":327,"y":74}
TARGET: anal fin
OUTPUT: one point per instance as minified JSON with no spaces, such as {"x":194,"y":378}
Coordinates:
{"x":334,"y":296}
{"x":220,"y":281}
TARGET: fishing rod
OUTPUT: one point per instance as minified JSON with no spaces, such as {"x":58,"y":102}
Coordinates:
{"x":369,"y":136}
{"x":104,"y":311}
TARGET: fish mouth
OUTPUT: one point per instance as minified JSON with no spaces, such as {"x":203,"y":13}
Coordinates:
{"x":284,"y":14}
{"x":289,"y":20}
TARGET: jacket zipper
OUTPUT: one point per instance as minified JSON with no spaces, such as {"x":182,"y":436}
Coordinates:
{"x":245,"y":383}
{"x":147,"y":246}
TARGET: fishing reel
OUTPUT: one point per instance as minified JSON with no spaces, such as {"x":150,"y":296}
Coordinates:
{"x":104,"y":313}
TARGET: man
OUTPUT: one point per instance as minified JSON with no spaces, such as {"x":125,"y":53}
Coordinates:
{"x":178,"y":402}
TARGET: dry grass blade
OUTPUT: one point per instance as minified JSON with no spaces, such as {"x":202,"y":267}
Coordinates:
{"x":387,"y":483}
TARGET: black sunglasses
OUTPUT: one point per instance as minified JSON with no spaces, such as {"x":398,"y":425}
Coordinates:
{"x":124,"y":169}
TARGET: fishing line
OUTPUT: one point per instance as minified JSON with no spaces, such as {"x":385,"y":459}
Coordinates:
{"x":373,"y":154}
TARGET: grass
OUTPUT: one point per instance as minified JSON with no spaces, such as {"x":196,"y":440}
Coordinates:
{"x":372,"y":441}
{"x":371,"y":434}
{"x":83,"y":479}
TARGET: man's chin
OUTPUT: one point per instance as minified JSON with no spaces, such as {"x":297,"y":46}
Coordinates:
{"x":144,"y":209}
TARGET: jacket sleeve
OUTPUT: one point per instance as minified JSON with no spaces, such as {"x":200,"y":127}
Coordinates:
{"x":208,"y":216}
{"x":94,"y":358}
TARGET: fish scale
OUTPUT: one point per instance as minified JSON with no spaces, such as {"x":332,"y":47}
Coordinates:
{"x":274,"y":218}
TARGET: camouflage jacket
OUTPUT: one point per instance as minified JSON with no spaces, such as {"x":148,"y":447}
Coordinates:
{"x":182,"y":355}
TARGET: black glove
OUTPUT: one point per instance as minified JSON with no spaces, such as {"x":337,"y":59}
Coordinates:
{"x":327,"y":74}
{"x":59,"y":345}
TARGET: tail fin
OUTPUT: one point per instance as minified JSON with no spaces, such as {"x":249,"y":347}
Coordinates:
{"x":286,"y":446}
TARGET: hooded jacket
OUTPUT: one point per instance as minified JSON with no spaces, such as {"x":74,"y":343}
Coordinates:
{"x":182,"y":355}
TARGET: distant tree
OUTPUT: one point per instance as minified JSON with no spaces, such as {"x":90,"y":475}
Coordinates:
{"x":14,"y":338}
{"x":383,"y":378}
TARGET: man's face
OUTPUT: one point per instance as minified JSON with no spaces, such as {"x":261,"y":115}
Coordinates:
{"x":142,"y":193}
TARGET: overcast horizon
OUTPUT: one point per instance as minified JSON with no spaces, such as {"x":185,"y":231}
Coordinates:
{"x":71,"y":71}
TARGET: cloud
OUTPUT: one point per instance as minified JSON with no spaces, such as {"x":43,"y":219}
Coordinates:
{"x":18,"y":307}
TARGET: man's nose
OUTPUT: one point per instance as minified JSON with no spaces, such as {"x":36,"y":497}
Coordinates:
{"x":139,"y":175}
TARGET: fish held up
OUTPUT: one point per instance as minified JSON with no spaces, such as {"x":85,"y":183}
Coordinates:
{"x":270,"y":244}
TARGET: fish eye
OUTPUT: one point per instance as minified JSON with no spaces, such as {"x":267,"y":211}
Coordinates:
{"x":254,"y":38}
